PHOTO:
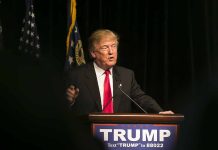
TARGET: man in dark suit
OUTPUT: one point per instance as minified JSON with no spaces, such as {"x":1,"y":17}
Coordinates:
{"x":86,"y":91}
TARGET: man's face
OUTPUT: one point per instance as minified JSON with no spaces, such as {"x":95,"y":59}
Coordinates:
{"x":105,"y":53}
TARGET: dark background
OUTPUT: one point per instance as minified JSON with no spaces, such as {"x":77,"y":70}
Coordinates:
{"x":172,"y":45}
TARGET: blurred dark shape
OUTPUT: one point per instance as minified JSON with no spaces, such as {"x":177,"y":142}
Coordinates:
{"x":33,"y":112}
{"x":199,"y":129}
{"x":1,"y":29}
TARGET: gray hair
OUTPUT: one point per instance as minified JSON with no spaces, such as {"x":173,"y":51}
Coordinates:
{"x":97,"y":35}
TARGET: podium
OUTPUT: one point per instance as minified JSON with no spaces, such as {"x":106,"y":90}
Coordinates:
{"x":136,"y":131}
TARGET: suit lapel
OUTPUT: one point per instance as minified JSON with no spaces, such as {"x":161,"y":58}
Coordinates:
{"x":92,"y":84}
{"x":116,"y":91}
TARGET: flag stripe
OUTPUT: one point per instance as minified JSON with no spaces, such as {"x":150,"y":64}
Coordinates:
{"x":73,"y":20}
{"x":74,"y":49}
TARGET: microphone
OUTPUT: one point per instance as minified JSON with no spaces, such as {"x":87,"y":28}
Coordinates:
{"x":120,"y":87}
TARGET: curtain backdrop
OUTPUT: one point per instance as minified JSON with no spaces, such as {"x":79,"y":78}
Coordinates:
{"x":171,"y":45}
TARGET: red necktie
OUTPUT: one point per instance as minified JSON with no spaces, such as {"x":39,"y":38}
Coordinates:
{"x":107,"y":101}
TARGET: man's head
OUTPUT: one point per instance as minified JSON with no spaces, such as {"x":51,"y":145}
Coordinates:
{"x":103,"y":45}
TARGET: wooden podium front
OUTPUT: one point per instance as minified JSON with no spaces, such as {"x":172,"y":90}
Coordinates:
{"x":136,"y":131}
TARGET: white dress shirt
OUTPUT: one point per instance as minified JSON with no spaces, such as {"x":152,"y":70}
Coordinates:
{"x":100,"y":78}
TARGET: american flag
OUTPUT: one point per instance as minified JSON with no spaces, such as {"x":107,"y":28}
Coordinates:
{"x":29,"y":40}
{"x":74,"y":52}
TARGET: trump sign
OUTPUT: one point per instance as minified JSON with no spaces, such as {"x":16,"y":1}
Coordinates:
{"x":136,"y":136}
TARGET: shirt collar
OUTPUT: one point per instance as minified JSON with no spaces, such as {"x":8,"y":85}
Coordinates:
{"x":99,"y":71}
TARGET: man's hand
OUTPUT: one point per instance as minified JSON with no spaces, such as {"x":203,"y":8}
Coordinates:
{"x":166,"y":112}
{"x":72,"y":93}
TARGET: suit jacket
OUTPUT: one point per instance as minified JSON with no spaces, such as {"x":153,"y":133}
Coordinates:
{"x":88,"y":100}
